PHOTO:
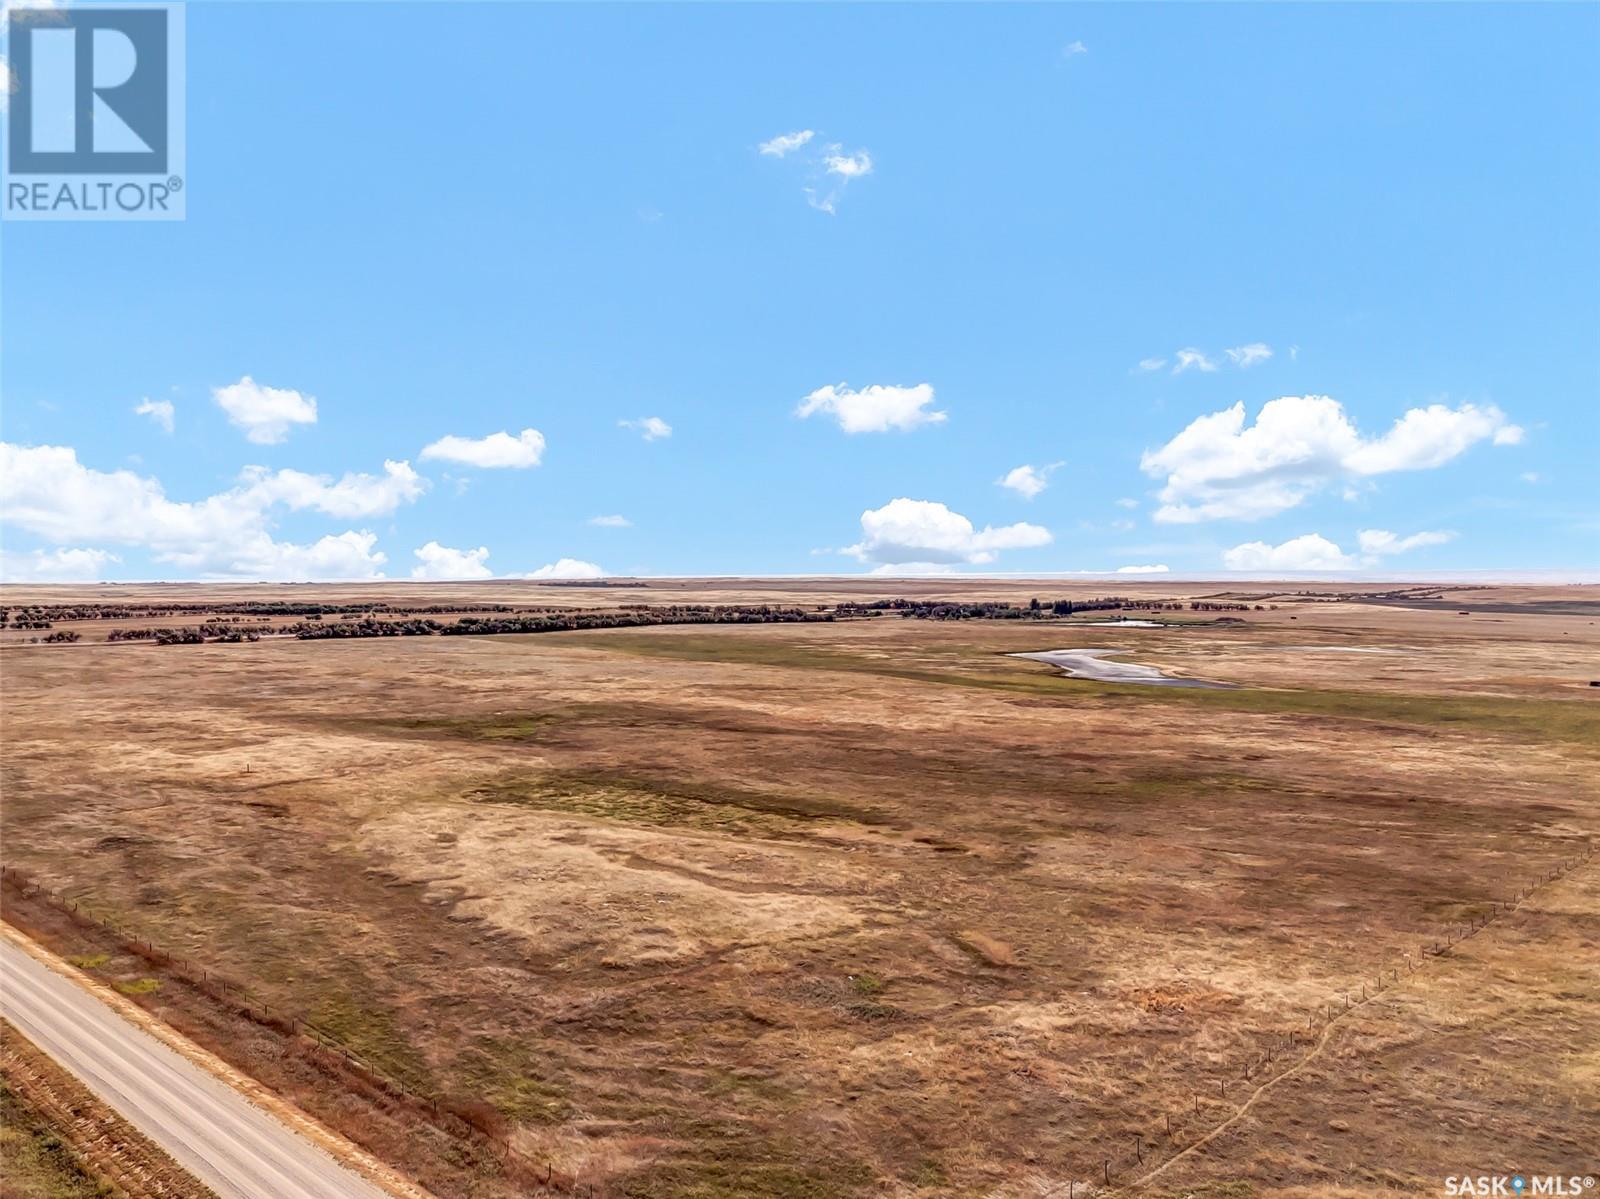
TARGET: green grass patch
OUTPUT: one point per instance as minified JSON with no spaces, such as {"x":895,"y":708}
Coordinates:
{"x":1537,"y":720}
{"x":138,"y":986}
{"x":1233,"y":1188}
{"x":514,"y":1075}
{"x":89,"y":961}
{"x":725,"y":1163}
{"x":713,"y":807}
{"x":867,"y":984}
{"x":372,"y":1034}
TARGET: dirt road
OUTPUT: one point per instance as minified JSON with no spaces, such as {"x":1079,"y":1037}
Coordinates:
{"x":214,"y":1132}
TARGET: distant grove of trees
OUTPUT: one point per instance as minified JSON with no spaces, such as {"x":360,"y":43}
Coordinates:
{"x":251,"y":621}
{"x":565,"y":621}
{"x":1034,"y":609}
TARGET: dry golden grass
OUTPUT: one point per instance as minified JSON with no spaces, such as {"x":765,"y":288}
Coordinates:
{"x":869,"y":907}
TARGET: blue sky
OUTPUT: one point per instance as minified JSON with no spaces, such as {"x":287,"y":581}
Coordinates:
{"x":447,"y":222}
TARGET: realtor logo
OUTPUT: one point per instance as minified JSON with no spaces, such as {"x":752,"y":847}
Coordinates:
{"x":95,"y":122}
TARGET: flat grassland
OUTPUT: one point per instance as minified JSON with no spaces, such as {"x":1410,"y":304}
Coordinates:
{"x":869,"y":907}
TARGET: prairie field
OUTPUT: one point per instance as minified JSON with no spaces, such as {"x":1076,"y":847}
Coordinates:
{"x":866,"y":906}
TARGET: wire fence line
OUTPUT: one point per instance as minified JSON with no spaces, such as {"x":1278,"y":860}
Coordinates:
{"x":451,"y":1117}
{"x":1156,"y":1147}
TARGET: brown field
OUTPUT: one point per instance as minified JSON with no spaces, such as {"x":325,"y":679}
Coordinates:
{"x":867,"y":907}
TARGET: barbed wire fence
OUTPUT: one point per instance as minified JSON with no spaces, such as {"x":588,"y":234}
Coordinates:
{"x":455,"y":1119}
{"x":1155,"y":1146}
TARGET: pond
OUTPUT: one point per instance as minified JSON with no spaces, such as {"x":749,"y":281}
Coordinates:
{"x":1092,"y":664}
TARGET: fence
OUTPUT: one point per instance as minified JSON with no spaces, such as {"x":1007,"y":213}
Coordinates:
{"x":447,"y":1119}
{"x":457,"y":1120}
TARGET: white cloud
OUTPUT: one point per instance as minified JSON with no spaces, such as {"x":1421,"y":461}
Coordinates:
{"x":1307,"y":552}
{"x":1146,"y":365}
{"x":54,"y":566}
{"x":1245,"y":357}
{"x":1378,"y":542}
{"x":1126,"y":502}
{"x":1073,"y":49}
{"x":611,"y":522}
{"x":822,"y":203}
{"x":46,"y":491}
{"x":911,"y":570}
{"x":1314,"y":552}
{"x":351,"y":497}
{"x":1431,"y":436}
{"x":497,"y":450}
{"x":1191,"y":359}
{"x":1217,"y":468}
{"x":907,"y":531}
{"x":1143,"y":570}
{"x":1530,"y":476}
{"x":160,"y":411}
{"x":828,"y":169}
{"x":847,"y":166}
{"x":786,"y":143}
{"x":651,"y":428}
{"x":435,"y":561}
{"x":264,"y":413}
{"x":1028,"y":481}
{"x":567,"y":568}
{"x":348,"y":555}
{"x":875,"y":409}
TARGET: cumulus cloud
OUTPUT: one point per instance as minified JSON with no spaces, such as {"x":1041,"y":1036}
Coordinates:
{"x":1251,"y":355}
{"x":1307,"y":552}
{"x":786,"y":143}
{"x":46,"y":491}
{"x":1073,"y":49}
{"x":1219,"y":468}
{"x":1377,"y":542}
{"x":160,"y":411}
{"x":651,"y":428}
{"x":1191,"y":359}
{"x":1147,"y":365}
{"x":611,"y":522}
{"x":349,"y":498}
{"x":1127,"y":502}
{"x":1028,"y":481}
{"x":497,"y":450}
{"x":1431,"y":436}
{"x":435,"y":561}
{"x":348,"y":555}
{"x":906,"y":531}
{"x":1156,"y":569}
{"x":1311,"y":551}
{"x":567,"y":568}
{"x":54,"y":566}
{"x":875,"y":409}
{"x":265,"y":414}
{"x":913,"y":570}
{"x":847,"y":166}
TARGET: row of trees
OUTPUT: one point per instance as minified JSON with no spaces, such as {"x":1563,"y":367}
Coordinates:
{"x":258,"y":609}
